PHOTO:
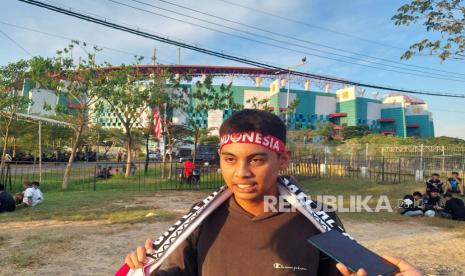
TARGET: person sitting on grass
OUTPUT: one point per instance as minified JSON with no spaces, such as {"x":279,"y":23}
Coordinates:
{"x":434,"y":182}
{"x":454,"y":208}
{"x":7,"y":203}
{"x":454,"y":184}
{"x":30,"y":197}
{"x":20,"y":196}
{"x":411,"y":205}
{"x":240,"y":237}
{"x":37,"y":192}
{"x":432,"y":203}
{"x":188,"y":167}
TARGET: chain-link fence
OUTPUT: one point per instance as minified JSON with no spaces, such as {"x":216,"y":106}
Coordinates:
{"x":169,"y":176}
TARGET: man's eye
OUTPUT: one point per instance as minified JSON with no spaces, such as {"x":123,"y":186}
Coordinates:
{"x":257,"y":161}
{"x":229,"y":159}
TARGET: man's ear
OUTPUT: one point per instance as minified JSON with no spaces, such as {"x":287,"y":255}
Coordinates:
{"x":284,"y":159}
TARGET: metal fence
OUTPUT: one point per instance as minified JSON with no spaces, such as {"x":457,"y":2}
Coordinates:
{"x":108,"y":175}
{"x":167,"y":176}
{"x":419,"y":150}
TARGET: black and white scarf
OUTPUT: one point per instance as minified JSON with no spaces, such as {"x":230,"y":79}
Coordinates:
{"x":177,"y":233}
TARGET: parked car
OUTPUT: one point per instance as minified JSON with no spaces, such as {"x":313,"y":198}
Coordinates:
{"x":154,"y":156}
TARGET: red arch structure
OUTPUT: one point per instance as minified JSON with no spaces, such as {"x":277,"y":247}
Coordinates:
{"x":199,"y":70}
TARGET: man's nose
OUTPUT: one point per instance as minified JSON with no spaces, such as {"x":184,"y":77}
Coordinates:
{"x":243,"y":170}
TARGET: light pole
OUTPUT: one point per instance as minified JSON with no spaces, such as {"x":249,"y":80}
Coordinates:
{"x":304,"y":61}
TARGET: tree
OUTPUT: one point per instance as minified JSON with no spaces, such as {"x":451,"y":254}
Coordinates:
{"x":130,"y":94}
{"x":443,"y":17}
{"x":263,"y":104}
{"x":206,"y":97}
{"x":76,"y":82}
{"x":12,"y":77}
{"x":324,"y":130}
{"x":355,"y":131}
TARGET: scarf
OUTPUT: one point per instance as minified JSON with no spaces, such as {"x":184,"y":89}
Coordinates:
{"x":178,"y":232}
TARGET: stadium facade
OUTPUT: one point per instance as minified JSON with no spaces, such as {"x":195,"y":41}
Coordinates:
{"x":394,"y":114}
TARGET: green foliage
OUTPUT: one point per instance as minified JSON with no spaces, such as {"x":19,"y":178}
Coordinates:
{"x":12,"y":77}
{"x":444,"y":18}
{"x":324,"y":130}
{"x":263,"y":104}
{"x":355,"y":131}
{"x":379,"y":139}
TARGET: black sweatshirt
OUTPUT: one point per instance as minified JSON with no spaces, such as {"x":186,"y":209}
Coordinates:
{"x":233,"y":242}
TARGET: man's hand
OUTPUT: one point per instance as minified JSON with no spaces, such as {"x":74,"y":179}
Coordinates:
{"x":137,"y":259}
{"x":405,"y":268}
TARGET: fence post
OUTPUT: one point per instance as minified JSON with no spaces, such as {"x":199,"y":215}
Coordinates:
{"x":443,"y":158}
{"x":400,"y":158}
{"x":95,"y":177}
{"x":366,"y":154}
{"x":382,"y":171}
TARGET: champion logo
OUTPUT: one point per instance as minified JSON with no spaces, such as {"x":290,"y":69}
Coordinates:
{"x":294,"y":268}
{"x":268,"y":141}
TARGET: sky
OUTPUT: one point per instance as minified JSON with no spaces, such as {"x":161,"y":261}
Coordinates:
{"x":319,"y":28}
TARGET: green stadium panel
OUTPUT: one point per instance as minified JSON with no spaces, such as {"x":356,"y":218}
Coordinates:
{"x":397,"y":125}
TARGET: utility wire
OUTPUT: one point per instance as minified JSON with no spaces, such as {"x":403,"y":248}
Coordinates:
{"x":283,"y":42}
{"x":287,"y":36}
{"x":70,"y":39}
{"x":310,"y":25}
{"x":16,"y":43}
{"x":226,"y":56}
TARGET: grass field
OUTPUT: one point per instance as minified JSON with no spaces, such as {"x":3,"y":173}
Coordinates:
{"x":98,"y":205}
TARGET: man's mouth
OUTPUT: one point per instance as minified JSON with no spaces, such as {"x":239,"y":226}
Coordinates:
{"x":246,"y":187}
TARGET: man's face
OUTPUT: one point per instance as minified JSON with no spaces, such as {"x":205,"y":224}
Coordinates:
{"x":434,"y":194}
{"x":417,"y":197}
{"x":250,"y":170}
{"x":435,"y":177}
{"x":454,"y":176}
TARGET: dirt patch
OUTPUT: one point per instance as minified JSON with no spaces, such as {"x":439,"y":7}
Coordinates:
{"x":437,"y":251}
{"x":51,"y":247}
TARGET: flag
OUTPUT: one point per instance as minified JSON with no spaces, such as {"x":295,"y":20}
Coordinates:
{"x":156,"y":123}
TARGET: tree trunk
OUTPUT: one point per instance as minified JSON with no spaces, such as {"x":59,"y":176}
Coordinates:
{"x":146,"y":168}
{"x":170,"y":158}
{"x":196,"y":141}
{"x":129,"y":160}
{"x":5,"y":145}
{"x":13,"y":155}
{"x":69,"y":166}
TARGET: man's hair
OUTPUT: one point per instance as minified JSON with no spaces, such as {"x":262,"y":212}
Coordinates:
{"x":36,"y":183}
{"x":456,"y":173}
{"x":2,"y":187}
{"x":254,"y":120}
{"x":417,"y":193}
{"x":435,"y":174}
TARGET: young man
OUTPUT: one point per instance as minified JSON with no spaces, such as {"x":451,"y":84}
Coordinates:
{"x":39,"y":196}
{"x":30,"y":196}
{"x":434,"y":182}
{"x":411,"y":205}
{"x":188,"y":167}
{"x":454,"y":184}
{"x":7,"y":203}
{"x":432,"y":203}
{"x":454,"y":207}
{"x":239,"y":237}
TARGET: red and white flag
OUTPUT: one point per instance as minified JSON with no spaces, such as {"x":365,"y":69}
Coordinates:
{"x":156,"y":123}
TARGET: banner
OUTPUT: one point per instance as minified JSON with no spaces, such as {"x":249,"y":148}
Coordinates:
{"x":156,"y":123}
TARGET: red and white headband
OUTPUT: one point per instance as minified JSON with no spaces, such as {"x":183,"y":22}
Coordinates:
{"x":252,"y":137}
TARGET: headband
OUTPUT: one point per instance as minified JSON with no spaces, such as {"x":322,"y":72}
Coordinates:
{"x":252,"y":137}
